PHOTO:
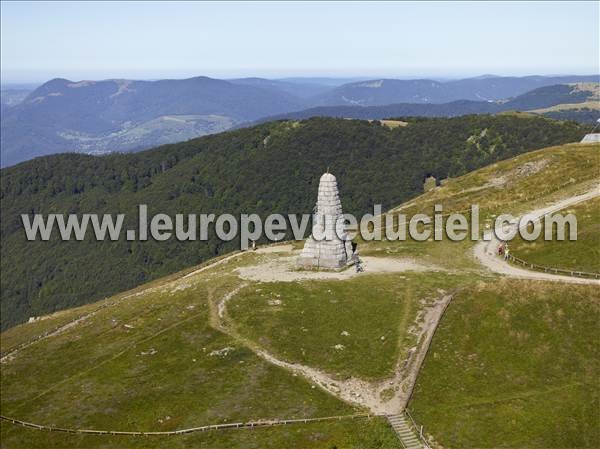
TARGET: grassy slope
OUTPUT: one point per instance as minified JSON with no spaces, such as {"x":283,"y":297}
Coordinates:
{"x":537,"y":390}
{"x":566,"y":170}
{"x":352,"y":434}
{"x":376,"y":311}
{"x":569,"y":106}
{"x":496,"y":379}
{"x":505,"y":187}
{"x":582,"y":254}
{"x":98,"y":377}
{"x":514,"y":364}
{"x":217,"y":386}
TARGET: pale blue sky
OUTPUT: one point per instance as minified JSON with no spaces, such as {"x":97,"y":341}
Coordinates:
{"x":179,"y":39}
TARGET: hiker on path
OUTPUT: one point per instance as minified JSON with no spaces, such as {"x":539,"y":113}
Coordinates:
{"x":359,"y":267}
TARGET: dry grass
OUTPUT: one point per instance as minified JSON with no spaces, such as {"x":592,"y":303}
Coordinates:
{"x":593,"y":104}
{"x":393,"y":123}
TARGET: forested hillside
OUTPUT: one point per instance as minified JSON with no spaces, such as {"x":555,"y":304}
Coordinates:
{"x":269,"y":168}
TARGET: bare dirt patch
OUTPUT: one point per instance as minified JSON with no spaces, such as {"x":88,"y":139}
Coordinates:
{"x":283,"y":269}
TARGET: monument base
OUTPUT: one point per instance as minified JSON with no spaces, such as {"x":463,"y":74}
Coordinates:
{"x":326,"y":255}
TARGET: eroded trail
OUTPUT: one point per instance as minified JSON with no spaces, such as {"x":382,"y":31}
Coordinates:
{"x":391,"y":395}
{"x":12,"y":353}
{"x":387,"y":396}
{"x":485,"y":250}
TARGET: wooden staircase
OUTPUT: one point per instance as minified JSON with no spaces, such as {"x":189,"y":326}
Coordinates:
{"x":407,"y":435}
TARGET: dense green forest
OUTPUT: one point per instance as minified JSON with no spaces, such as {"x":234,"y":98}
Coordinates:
{"x":273,"y":167}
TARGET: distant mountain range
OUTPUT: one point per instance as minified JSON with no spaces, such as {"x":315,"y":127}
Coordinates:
{"x":123,"y":115}
{"x":301,"y":89}
{"x":488,"y":88}
{"x":99,"y":117}
{"x":548,"y":100}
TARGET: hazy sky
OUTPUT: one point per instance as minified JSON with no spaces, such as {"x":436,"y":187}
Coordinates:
{"x":155,"y":40}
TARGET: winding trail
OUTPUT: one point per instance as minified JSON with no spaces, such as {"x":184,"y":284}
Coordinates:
{"x":12,"y":352}
{"x":371,"y":395}
{"x":485,"y":250}
{"x":375,"y":396}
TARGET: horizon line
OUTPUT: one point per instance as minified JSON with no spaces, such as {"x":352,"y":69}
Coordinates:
{"x":448,"y":77}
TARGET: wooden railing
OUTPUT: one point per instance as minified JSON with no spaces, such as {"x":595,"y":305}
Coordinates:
{"x":562,"y":271}
{"x":237,"y":425}
{"x":418,"y":430}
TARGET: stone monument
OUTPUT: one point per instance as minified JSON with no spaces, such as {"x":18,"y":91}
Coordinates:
{"x":327,"y":247}
{"x":593,"y":137}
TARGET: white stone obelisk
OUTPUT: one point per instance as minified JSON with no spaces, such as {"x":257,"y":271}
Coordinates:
{"x":327,"y":247}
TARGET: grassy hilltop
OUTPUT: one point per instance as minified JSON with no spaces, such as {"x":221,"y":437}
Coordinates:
{"x":582,"y":254}
{"x":512,"y":363}
{"x":265,"y":169}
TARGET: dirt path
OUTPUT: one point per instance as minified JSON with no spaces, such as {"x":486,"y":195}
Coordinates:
{"x":387,"y":396}
{"x":212,"y":265}
{"x":12,"y":353}
{"x":284,"y":269}
{"x":485,"y":250}
{"x":390,"y":396}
